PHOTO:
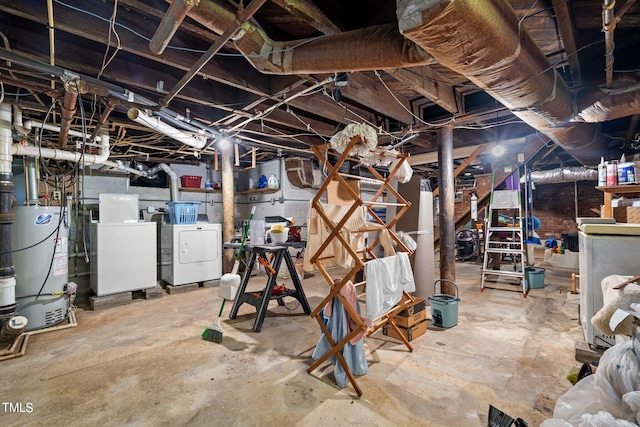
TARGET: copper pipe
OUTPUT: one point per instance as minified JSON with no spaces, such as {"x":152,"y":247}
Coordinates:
{"x":170,"y":23}
{"x":574,"y":289}
{"x":243,"y":16}
{"x":67,"y":110}
{"x":111,"y":104}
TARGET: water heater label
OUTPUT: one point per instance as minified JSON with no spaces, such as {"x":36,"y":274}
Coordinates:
{"x":43,"y":219}
{"x":60,"y":258}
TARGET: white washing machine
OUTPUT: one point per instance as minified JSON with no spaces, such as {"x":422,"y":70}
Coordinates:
{"x":190,"y":253}
{"x":123,"y":249}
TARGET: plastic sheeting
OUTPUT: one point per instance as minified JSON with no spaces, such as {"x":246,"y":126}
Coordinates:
{"x":610,"y":397}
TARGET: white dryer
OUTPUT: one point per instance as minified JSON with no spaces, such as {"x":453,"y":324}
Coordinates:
{"x":190,"y":253}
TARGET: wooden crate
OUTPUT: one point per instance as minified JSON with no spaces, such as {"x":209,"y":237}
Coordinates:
{"x":410,"y":333}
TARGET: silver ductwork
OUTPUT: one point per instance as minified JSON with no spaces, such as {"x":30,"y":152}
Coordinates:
{"x":484,"y":41}
{"x":565,"y":174}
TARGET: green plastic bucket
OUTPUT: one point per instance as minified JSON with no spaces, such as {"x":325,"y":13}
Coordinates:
{"x":444,"y":307}
{"x":534,"y":277}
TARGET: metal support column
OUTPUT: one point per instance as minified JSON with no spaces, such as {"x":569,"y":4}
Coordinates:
{"x":447,"y":208}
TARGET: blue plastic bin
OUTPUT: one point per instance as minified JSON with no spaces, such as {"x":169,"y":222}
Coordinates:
{"x":183,"y":212}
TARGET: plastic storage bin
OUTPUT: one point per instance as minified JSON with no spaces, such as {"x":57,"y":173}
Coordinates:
{"x":183,"y":212}
{"x":190,"y":181}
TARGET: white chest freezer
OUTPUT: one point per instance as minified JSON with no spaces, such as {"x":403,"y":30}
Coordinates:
{"x":605,"y":249}
{"x":190,"y":253}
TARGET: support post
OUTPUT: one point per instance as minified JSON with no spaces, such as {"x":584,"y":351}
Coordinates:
{"x":227,"y":206}
{"x":447,"y":216}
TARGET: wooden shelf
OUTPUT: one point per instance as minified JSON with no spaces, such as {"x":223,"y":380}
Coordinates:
{"x":199,"y":190}
{"x":621,"y":189}
{"x":211,"y":190}
{"x":609,"y":192}
{"x":259,"y":191}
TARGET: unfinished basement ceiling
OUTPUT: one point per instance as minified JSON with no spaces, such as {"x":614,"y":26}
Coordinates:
{"x":507,"y":72}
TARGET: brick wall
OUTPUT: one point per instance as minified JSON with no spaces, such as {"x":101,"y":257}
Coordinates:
{"x":554,"y":205}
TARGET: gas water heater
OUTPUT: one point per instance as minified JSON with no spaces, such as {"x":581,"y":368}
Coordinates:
{"x":40,"y":256}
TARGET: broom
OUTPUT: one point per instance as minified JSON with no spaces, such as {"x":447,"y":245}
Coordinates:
{"x":214,"y":332}
{"x":497,"y":418}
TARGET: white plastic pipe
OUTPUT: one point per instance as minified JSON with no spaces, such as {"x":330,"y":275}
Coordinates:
{"x":17,"y":121}
{"x":173,"y":179}
{"x":120,"y":166}
{"x":30,"y":124}
{"x":197,"y":141}
{"x":50,"y":153}
{"x":5,"y":139}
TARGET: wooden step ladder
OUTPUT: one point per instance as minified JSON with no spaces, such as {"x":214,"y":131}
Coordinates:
{"x":504,"y":236}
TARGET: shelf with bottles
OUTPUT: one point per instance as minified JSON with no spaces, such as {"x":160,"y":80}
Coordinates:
{"x":217,"y":190}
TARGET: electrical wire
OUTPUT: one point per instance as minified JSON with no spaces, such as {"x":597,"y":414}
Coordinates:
{"x":148,"y":39}
{"x":112,"y":29}
{"x":53,"y":253}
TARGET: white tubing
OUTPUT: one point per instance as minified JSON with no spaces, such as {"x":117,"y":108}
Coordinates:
{"x":197,"y":141}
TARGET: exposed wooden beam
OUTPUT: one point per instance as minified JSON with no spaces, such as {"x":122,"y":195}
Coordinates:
{"x":565,"y":21}
{"x":428,"y":84}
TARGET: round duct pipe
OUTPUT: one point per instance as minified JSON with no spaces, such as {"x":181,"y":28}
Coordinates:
{"x":566,"y":174}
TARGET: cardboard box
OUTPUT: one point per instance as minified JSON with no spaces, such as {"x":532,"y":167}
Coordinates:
{"x":406,"y":321}
{"x":410,"y":333}
{"x":411,"y":315}
{"x":418,"y":305}
{"x":627,"y":214}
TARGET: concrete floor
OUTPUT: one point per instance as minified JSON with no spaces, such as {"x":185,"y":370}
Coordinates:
{"x":145,"y":364}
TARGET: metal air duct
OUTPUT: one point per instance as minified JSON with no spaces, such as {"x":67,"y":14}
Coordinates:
{"x":565,"y":174}
{"x":173,"y":179}
{"x":371,"y":48}
{"x":484,"y":41}
{"x":614,"y":105}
